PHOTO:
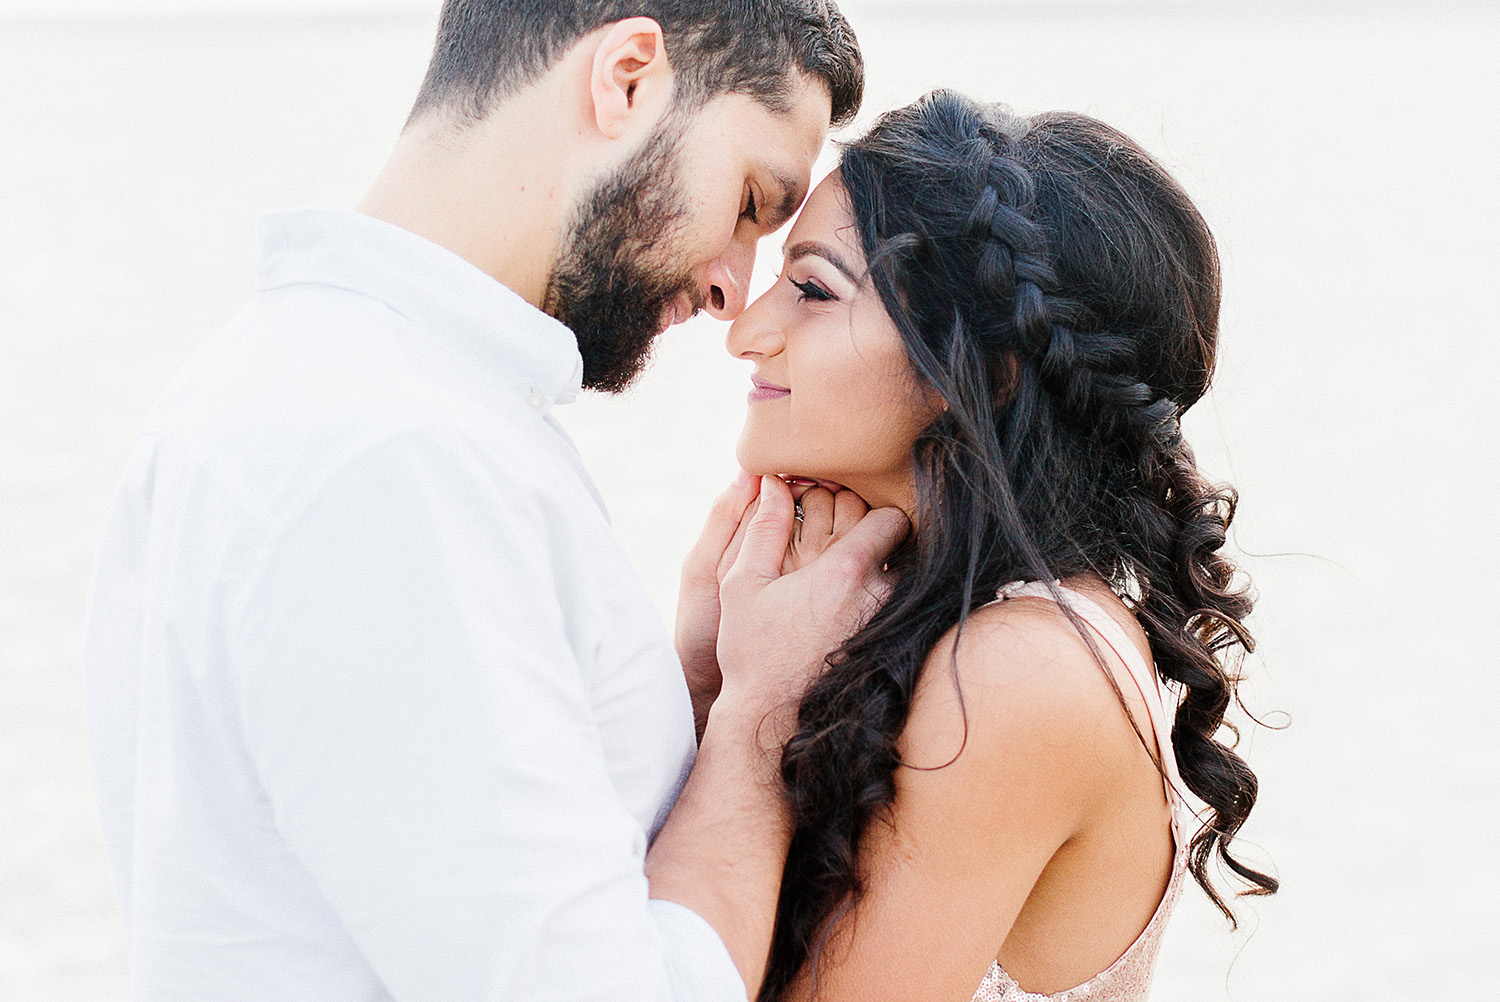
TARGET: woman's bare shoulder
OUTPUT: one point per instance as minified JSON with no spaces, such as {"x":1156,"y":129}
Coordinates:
{"x":1012,"y":747}
{"x":1018,"y":684}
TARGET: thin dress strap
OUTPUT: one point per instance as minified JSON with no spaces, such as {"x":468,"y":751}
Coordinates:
{"x":1153,"y":693}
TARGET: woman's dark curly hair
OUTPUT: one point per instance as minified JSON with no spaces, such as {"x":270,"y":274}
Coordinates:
{"x":1059,"y":290}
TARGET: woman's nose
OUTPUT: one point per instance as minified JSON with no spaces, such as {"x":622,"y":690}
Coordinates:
{"x":755,"y":332}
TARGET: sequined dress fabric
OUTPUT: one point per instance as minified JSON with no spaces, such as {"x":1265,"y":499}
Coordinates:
{"x":1128,"y":979}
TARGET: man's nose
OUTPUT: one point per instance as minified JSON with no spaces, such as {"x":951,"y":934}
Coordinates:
{"x":729,"y":277}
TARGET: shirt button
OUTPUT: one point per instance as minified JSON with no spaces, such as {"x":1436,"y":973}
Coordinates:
{"x":536,"y":401}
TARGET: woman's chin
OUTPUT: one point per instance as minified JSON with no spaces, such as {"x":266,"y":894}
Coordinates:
{"x":760,"y":462}
{"x":771,"y":463}
{"x":767,"y":466}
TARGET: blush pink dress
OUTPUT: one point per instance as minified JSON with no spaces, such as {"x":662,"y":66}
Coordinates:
{"x":1128,"y":979}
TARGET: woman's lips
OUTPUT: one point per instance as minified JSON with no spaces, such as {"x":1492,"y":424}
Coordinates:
{"x":764,"y":390}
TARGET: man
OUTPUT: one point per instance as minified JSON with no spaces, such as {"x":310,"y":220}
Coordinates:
{"x":379,"y":710}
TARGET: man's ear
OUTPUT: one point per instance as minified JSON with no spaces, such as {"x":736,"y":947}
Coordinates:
{"x":631,"y":79}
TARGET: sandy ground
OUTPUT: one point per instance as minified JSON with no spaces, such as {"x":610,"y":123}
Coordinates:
{"x":1348,"y":163}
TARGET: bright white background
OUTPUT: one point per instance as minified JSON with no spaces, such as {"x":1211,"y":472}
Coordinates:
{"x":52,"y":8}
{"x":75,"y":8}
{"x":1346,"y":155}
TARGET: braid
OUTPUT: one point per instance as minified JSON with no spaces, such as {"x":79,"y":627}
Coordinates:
{"x":1015,"y":254}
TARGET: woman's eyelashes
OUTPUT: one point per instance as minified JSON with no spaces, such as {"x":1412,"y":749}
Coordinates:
{"x":811,"y":290}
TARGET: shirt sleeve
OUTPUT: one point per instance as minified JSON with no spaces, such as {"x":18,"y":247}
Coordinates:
{"x":419,"y":723}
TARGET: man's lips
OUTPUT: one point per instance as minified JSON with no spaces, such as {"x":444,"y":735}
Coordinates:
{"x":764,"y":389}
{"x":679,"y":310}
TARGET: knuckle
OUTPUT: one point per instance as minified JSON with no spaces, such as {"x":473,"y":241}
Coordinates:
{"x":850,"y":500}
{"x":726,"y":505}
{"x":762,"y":514}
{"x":843,"y":567}
{"x":733,"y":583}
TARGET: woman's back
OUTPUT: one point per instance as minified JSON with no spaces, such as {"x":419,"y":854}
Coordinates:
{"x":1127,"y":978}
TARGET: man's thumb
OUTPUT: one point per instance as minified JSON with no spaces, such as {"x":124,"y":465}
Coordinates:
{"x":766,"y":537}
{"x":877,"y":534}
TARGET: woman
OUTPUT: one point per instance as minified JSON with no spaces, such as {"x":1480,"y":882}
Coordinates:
{"x":994,"y":324}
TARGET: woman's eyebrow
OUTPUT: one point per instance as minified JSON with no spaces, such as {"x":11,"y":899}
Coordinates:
{"x":808,"y":248}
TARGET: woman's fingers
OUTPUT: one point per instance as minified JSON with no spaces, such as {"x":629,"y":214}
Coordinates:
{"x":769,"y":539}
{"x":799,"y":487}
{"x":817,"y":514}
{"x":822,"y":515}
{"x":767,"y":533}
{"x":848,"y":509}
{"x":814,"y":529}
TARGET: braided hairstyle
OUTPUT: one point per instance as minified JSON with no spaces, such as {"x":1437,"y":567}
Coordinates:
{"x":1060,"y":291}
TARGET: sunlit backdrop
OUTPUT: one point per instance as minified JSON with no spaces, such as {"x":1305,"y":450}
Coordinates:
{"x":1346,"y":155}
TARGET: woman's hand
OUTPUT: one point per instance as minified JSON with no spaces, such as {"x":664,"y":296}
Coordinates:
{"x":823,"y":515}
{"x":793,"y":592}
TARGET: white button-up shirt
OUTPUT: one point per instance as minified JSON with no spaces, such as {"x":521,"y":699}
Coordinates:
{"x":379,"y":710}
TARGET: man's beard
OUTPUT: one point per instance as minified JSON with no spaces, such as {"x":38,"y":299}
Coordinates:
{"x":611,"y":285}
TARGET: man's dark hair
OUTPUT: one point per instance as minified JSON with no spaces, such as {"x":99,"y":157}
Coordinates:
{"x":489,"y":49}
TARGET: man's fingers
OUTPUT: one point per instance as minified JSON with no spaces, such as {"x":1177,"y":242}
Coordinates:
{"x":732,"y":551}
{"x":877,"y":591}
{"x":724,"y":520}
{"x":871,"y":541}
{"x":767,"y":534}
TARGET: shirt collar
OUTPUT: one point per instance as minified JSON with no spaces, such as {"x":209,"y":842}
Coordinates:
{"x":431,"y":286}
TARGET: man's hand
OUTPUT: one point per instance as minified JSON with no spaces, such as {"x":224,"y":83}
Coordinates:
{"x":697,"y":634}
{"x":790,"y":593}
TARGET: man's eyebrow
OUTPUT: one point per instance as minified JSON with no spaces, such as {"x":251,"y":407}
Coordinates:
{"x":791,"y":199}
{"x":808,"y":248}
